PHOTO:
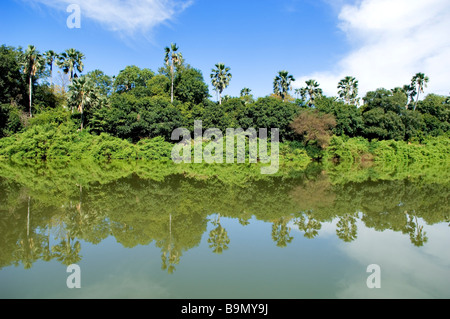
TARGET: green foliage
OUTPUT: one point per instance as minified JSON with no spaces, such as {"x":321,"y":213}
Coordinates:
{"x":45,"y":98}
{"x":386,"y":100}
{"x":189,"y":86}
{"x":159,"y":85}
{"x":10,"y":122}
{"x":51,"y":142}
{"x":12,"y":84}
{"x":132,"y":77}
{"x":348,"y":117}
{"x":379,"y":124}
{"x":54,"y":117}
{"x":270,"y":113}
{"x":431,"y":150}
{"x":215,"y":116}
{"x":136,"y":118}
{"x":342,"y":149}
{"x":102,"y":82}
{"x":155,"y":149}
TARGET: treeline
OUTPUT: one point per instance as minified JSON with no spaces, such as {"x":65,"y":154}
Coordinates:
{"x":139,"y":104}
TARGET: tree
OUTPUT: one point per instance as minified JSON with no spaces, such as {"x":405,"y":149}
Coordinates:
{"x":314,"y":127}
{"x":348,"y":116}
{"x":9,"y":120}
{"x":382,"y":125}
{"x":12,"y":85}
{"x":281,"y":232}
{"x":419,"y":81}
{"x":132,"y":77}
{"x":71,"y":61}
{"x":245,"y":92}
{"x":282,"y":84}
{"x":83,"y":94}
{"x":172,"y":59}
{"x":409,"y":91}
{"x":269,"y":112}
{"x":32,"y":62}
{"x":220,"y":79}
{"x":190,"y":86}
{"x":246,"y":96}
{"x":102,"y":81}
{"x":308,"y":224}
{"x":218,"y":238}
{"x":159,"y":85}
{"x":348,"y":90}
{"x":50,"y":57}
{"x":311,"y":90}
{"x":346,"y":228}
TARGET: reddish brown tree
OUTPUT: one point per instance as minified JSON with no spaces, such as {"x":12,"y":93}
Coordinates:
{"x":314,"y":126}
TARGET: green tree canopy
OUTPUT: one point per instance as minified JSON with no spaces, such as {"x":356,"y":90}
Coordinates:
{"x":190,"y":86}
{"x":132,"y":77}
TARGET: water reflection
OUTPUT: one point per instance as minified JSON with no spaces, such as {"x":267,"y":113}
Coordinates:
{"x":47,"y":211}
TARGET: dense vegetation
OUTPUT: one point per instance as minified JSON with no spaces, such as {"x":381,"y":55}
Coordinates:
{"x":133,"y":114}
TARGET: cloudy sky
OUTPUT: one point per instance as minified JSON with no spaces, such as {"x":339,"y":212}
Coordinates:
{"x":382,"y":43}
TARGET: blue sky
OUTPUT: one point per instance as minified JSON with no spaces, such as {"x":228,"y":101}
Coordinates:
{"x":381,"y":42}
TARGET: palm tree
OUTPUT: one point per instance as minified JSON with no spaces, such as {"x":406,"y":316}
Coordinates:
{"x":419,"y":81}
{"x":281,"y":233}
{"x":346,"y":228}
{"x":33,"y":62}
{"x":312,"y":90}
{"x":66,"y":251}
{"x":50,"y":57}
{"x":298,"y":93}
{"x":172,"y":59}
{"x":348,"y":90}
{"x":218,"y":238}
{"x":282,"y":84}
{"x":71,"y":60}
{"x":220,"y":79}
{"x":408,"y":91}
{"x":417,"y":236}
{"x":308,"y":224}
{"x":245,"y":92}
{"x":83,"y":94}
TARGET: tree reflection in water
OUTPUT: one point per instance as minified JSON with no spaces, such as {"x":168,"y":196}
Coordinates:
{"x":139,"y":204}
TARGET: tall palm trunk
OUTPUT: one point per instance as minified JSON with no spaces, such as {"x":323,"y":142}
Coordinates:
{"x":171,"y":88}
{"x":417,"y":100}
{"x":51,"y":77}
{"x":30,"y":92}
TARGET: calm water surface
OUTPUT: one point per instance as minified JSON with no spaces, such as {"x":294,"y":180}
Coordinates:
{"x":139,"y":232}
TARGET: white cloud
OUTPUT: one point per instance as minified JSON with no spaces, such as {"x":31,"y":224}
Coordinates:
{"x":392,"y":40}
{"x":406,"y":271}
{"x":126,"y":17}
